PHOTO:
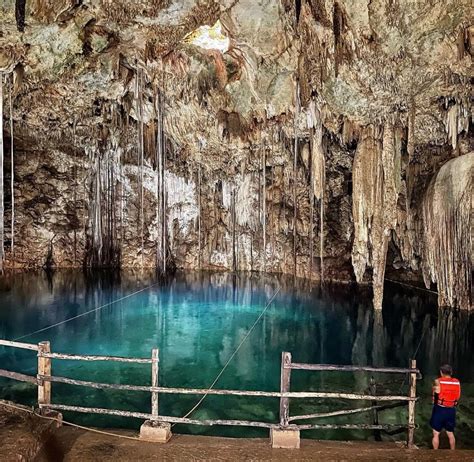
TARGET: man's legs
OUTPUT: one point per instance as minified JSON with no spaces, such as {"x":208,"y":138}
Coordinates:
{"x":435,"y":440}
{"x":452,"y":440}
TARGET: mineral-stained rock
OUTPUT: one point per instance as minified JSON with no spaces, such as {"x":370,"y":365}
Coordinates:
{"x":134,"y":146}
{"x":448,"y":231}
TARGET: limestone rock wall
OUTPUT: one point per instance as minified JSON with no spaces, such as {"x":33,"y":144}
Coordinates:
{"x":313,"y":145}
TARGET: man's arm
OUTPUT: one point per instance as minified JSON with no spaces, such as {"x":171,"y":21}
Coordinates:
{"x":436,"y":390}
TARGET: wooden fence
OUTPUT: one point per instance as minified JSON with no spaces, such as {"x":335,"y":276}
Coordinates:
{"x":44,"y":379}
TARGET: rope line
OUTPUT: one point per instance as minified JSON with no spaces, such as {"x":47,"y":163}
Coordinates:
{"x":412,"y":286}
{"x":111,"y":303}
{"x":232,"y":355}
{"x":123,"y":298}
{"x":414,"y":354}
{"x":65,"y":422}
{"x":419,"y":343}
{"x":86,"y":312}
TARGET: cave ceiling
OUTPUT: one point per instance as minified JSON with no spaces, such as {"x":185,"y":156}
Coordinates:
{"x":365,"y":61}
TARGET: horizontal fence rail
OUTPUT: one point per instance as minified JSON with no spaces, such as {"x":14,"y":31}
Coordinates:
{"x":118,"y":359}
{"x":168,"y":419}
{"x":44,"y":379}
{"x":183,"y":420}
{"x":331,"y":367}
{"x":19,"y":377}
{"x":344,"y":412}
{"x":206,"y":391}
{"x":24,"y":346}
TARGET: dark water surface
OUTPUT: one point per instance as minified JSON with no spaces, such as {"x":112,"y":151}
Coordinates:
{"x":197,"y":321}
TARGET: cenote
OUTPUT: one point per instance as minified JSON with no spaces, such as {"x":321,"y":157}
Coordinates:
{"x":198,"y":319}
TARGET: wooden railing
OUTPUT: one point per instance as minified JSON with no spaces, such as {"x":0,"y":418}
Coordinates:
{"x":287,"y":366}
{"x":44,"y":379}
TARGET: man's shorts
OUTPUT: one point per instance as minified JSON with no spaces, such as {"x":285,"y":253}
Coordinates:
{"x":443,"y":417}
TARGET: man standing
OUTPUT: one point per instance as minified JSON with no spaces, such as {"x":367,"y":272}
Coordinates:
{"x":446,"y":394}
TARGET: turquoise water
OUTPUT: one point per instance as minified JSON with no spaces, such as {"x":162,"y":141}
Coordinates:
{"x":198,"y":320}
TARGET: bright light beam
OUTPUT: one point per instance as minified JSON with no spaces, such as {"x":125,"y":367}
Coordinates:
{"x":209,"y":38}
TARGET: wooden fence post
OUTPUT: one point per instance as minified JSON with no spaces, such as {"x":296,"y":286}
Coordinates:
{"x":44,"y":368}
{"x":154,"y":381}
{"x":411,"y":406}
{"x":285,"y":387}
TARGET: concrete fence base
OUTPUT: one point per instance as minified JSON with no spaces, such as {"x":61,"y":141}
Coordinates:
{"x":285,"y":438}
{"x":156,"y":432}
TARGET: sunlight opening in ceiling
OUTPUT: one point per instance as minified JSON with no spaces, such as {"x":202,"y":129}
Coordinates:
{"x":209,"y":37}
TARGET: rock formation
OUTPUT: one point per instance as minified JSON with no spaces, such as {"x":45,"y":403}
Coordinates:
{"x":327,"y":139}
{"x":447,"y":217}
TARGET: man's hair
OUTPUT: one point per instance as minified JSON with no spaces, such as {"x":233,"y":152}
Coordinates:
{"x":446,"y":369}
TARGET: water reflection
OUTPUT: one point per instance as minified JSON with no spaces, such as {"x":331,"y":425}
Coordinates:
{"x":198,"y":320}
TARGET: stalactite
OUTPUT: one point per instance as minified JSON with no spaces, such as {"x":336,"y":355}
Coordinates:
{"x":363,"y":175}
{"x":311,"y":201}
{"x":264,"y":199}
{"x":115,"y":248}
{"x":452,"y":125}
{"x":318,"y":174}
{"x":159,"y":146}
{"x":350,"y":132}
{"x":385,"y":216}
{"x":122,"y":197}
{"x":12,"y":178}
{"x":463,"y":41}
{"x":140,"y":159}
{"x":107,"y":188}
{"x":446,"y":227}
{"x":234,"y":225}
{"x":411,"y":131}
{"x":2,"y":236}
{"x":338,"y":25}
{"x":102,"y":247}
{"x":96,"y":213}
{"x":258,"y":176}
{"x":199,"y":210}
{"x":321,"y":235}
{"x":379,"y":236}
{"x":164,"y":193}
{"x":74,"y":199}
{"x":161,"y":251}
{"x":111,"y":257}
{"x":247,"y":206}
{"x":376,"y":186}
{"x":272,"y":221}
{"x":295,"y":171}
{"x":411,"y":153}
{"x":20,"y":11}
{"x":457,"y":121}
{"x":405,"y":233}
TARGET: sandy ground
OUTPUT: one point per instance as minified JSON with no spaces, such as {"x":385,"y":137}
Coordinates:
{"x":26,"y":437}
{"x":21,"y":434}
{"x":74,"y":445}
